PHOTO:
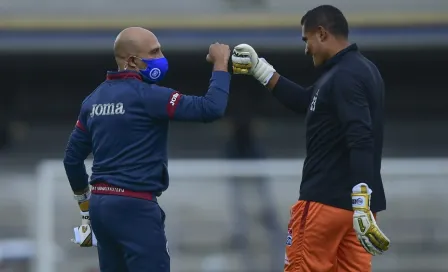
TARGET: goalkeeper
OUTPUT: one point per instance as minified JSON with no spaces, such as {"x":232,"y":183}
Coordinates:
{"x":124,"y":123}
{"x":332,"y":226}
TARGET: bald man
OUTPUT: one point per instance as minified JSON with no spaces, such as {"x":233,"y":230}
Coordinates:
{"x":124,"y":123}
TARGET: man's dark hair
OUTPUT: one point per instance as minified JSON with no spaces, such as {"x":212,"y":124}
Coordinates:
{"x":328,"y":17}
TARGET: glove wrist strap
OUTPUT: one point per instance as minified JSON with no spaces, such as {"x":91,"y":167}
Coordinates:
{"x":361,"y":197}
{"x":360,"y":202}
{"x":263,"y":71}
{"x":83,"y":200}
{"x":83,"y":197}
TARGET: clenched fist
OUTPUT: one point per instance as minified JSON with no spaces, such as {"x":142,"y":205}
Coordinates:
{"x":218,"y":53}
{"x":245,"y":61}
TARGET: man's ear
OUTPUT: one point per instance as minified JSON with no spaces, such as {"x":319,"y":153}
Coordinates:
{"x":322,"y":33}
{"x":131,"y":63}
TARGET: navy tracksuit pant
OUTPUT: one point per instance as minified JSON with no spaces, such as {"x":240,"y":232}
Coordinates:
{"x":130,"y":233}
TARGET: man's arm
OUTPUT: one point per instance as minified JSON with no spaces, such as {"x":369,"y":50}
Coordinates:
{"x":165,"y":103}
{"x":290,"y":94}
{"x":245,"y":61}
{"x":78,"y":148}
{"x":353,"y":111}
{"x":354,"y":114}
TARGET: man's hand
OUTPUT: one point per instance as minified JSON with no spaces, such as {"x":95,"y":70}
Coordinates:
{"x":84,"y":236}
{"x":83,"y":233}
{"x":245,"y":61}
{"x":219,"y":55}
{"x":369,"y":234}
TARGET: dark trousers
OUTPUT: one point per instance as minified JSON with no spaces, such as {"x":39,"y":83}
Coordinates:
{"x":130,"y":233}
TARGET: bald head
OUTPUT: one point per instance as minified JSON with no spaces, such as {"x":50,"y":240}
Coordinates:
{"x":135,"y":42}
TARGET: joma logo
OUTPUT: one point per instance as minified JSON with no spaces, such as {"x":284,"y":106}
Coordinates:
{"x":107,"y":109}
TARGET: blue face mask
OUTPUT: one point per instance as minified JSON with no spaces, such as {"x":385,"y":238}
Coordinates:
{"x":156,"y":69}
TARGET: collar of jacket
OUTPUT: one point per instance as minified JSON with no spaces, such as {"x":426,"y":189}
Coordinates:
{"x":337,"y":58}
{"x":114,"y":75}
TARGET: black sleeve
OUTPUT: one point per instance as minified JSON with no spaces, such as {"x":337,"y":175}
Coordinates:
{"x":354,"y":114}
{"x":292,"y":95}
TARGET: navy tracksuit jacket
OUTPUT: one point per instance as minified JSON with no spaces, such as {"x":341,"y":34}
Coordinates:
{"x":124,"y":124}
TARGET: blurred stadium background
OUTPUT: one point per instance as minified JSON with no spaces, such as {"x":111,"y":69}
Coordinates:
{"x":55,"y":52}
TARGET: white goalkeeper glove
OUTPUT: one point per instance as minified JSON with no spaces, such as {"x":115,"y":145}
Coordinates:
{"x":369,"y":234}
{"x":83,"y":234}
{"x":245,"y":61}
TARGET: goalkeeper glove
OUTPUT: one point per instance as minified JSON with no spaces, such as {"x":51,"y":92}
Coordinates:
{"x":84,"y":239}
{"x":369,"y":234}
{"x":245,"y":61}
{"x":83,"y":234}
